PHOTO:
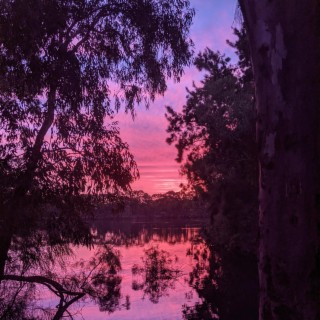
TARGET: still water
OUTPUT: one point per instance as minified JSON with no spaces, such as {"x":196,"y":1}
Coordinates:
{"x":165,"y":298}
{"x":152,"y":271}
{"x":149,"y":294}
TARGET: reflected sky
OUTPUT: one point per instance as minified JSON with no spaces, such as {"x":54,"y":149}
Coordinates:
{"x":169,"y":306}
{"x":135,"y":303}
{"x":172,"y":272}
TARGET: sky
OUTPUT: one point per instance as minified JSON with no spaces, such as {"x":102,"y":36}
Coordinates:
{"x":146,"y":134}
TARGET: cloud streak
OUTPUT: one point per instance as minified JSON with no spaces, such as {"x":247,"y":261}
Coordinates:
{"x":147,"y":133}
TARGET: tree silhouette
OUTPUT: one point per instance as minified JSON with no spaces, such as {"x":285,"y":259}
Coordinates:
{"x":216,"y":132}
{"x":157,"y":275}
{"x":225,"y":280}
{"x":66,"y":67}
{"x":284,"y":43}
{"x":96,"y":279}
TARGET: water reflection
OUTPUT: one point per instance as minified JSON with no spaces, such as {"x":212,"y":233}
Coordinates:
{"x":135,"y":271}
{"x":226,"y":282}
{"x":30,"y":284}
{"x":156,"y":275}
{"x":142,"y":233}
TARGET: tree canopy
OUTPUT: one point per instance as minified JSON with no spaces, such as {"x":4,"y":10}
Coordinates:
{"x":215,"y":139}
{"x":65,"y":68}
{"x":216,"y":127}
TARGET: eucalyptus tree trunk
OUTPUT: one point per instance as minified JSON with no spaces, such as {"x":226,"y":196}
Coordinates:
{"x":284,"y":48}
{"x":13,"y":211}
{"x":5,"y":242}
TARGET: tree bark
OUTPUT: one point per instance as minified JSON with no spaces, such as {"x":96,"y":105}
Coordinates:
{"x":12,"y":211}
{"x":5,"y":242}
{"x":285,"y":55}
{"x":35,"y":154}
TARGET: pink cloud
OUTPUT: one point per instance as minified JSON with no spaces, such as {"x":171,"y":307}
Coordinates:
{"x":147,"y":133}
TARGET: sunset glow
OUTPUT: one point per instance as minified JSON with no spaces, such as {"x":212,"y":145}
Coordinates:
{"x":146,"y":135}
{"x":159,"y":178}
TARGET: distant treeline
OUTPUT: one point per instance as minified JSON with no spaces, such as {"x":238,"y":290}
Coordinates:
{"x":169,"y":205}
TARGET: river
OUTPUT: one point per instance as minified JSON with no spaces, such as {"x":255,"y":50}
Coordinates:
{"x":153,"y":271}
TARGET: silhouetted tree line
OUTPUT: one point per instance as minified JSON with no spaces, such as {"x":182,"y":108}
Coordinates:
{"x":215,"y":138}
{"x":168,"y":205}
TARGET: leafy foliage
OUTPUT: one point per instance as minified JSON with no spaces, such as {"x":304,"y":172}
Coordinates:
{"x":216,"y":126}
{"x":95,"y":280}
{"x":158,"y":274}
{"x":65,"y":68}
{"x":169,"y":205}
{"x":216,"y":131}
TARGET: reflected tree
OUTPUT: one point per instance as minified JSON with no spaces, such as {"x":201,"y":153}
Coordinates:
{"x":100,"y":280}
{"x":156,"y":275}
{"x":226,"y":281}
{"x":127,"y":234}
{"x":16,"y":301}
{"x":96,"y":280}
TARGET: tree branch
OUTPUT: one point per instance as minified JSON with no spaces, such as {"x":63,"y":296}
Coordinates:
{"x":49,"y":118}
{"x":35,"y":153}
{"x":53,"y":286}
{"x":49,"y":283}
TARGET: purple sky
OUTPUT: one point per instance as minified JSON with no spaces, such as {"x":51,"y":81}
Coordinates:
{"x":146,"y":135}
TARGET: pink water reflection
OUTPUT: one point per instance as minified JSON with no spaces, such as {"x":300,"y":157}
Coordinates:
{"x":170,"y":304}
